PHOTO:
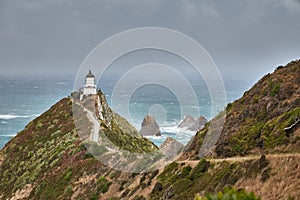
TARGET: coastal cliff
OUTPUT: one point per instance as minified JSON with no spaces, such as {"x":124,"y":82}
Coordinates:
{"x":258,"y":150}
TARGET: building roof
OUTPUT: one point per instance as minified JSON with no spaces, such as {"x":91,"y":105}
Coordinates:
{"x":90,"y":75}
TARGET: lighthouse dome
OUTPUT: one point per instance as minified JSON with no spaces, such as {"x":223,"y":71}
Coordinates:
{"x":90,"y":75}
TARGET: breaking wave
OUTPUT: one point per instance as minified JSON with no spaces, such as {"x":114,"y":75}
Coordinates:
{"x":8,"y":135}
{"x":13,"y":116}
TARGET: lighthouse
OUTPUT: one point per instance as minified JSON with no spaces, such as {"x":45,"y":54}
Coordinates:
{"x":90,"y":87}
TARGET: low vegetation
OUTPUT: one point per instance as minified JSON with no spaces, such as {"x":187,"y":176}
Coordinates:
{"x":229,"y":194}
{"x":180,"y":180}
{"x":256,"y":122}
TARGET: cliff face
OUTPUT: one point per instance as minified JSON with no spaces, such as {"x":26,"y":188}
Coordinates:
{"x":256,"y":122}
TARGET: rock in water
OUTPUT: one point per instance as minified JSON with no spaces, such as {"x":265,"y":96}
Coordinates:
{"x":171,"y":148}
{"x":201,"y":121}
{"x":191,"y":124}
{"x":149,"y":127}
{"x":187,"y":122}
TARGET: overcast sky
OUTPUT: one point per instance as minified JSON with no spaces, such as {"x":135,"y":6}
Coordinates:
{"x":246,"y":38}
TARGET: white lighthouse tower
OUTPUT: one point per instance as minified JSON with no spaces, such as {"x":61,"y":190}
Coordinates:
{"x":90,"y":87}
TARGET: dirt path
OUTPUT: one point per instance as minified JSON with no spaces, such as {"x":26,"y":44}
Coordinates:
{"x":242,"y":159}
{"x":96,"y":125}
{"x":93,"y":119}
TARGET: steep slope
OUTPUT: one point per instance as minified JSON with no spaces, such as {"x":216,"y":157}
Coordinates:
{"x":265,"y":119}
{"x":47,"y":160}
{"x":269,"y":177}
{"x":113,"y":129}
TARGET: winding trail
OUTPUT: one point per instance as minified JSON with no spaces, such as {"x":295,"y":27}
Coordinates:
{"x":96,"y":125}
{"x":94,"y":120}
{"x":241,"y":159}
{"x":255,"y":157}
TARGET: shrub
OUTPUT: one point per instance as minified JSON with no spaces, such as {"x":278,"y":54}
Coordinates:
{"x":274,"y":88}
{"x":103,"y":185}
{"x":199,"y":169}
{"x":185,"y":171}
{"x":139,"y":197}
{"x":229,"y":194}
{"x":265,"y":174}
{"x":158,"y":187}
{"x":68,"y":175}
{"x":68,"y":191}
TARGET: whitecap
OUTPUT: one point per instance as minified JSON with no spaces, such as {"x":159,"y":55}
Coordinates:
{"x":8,"y":135}
{"x":188,"y":132}
{"x":170,"y":129}
{"x":4,"y":122}
{"x":153,"y":137}
{"x":13,"y":116}
{"x":62,"y":82}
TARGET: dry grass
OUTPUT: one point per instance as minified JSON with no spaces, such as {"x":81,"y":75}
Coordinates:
{"x":22,"y":193}
{"x":284,"y":181}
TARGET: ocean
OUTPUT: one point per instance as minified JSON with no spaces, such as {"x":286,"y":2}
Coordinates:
{"x":23,"y":99}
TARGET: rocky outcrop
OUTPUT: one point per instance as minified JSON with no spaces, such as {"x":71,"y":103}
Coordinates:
{"x":191,"y":124}
{"x":149,"y":127}
{"x":187,"y":122}
{"x":201,"y":121}
{"x":171,"y":148}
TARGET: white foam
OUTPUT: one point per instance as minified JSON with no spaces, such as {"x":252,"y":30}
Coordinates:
{"x":62,"y":82}
{"x":153,"y":137}
{"x":4,"y":122}
{"x":13,"y":116}
{"x":170,"y":129}
{"x":186,"y":131}
{"x":8,"y":135}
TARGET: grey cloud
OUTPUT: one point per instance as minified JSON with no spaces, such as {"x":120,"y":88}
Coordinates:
{"x":53,"y":37}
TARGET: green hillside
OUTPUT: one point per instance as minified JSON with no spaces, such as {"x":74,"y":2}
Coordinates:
{"x":256,"y":122}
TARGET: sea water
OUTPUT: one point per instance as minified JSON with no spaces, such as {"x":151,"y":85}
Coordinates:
{"x":23,"y":99}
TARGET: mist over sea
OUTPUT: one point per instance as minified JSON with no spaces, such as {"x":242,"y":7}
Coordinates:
{"x":23,"y":99}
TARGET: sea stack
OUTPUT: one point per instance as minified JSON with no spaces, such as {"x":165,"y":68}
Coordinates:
{"x":191,"y":124}
{"x":149,"y":127}
{"x":201,"y":121}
